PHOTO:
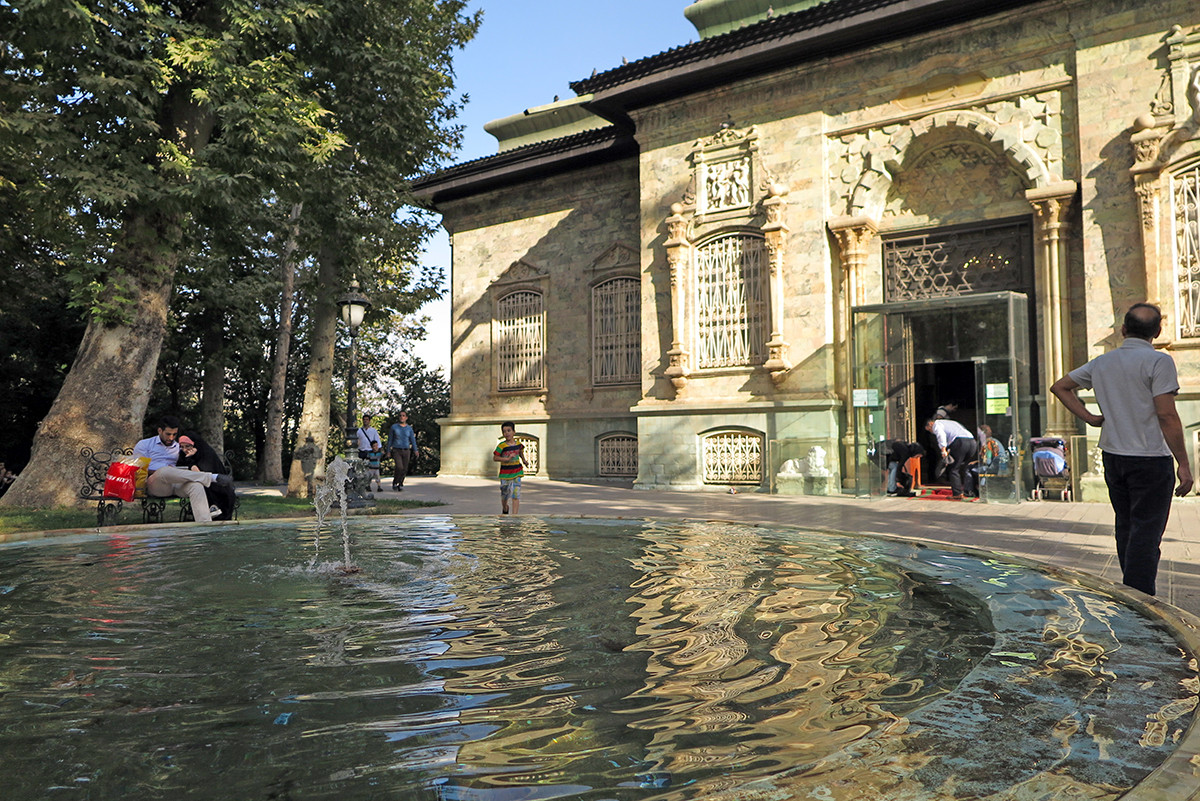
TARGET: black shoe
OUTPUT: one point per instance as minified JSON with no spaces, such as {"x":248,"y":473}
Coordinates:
{"x":223,"y":480}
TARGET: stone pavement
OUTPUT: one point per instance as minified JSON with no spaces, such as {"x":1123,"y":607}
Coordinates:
{"x":1071,"y":535}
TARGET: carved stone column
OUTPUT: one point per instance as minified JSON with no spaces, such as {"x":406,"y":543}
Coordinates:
{"x":855,"y":236}
{"x":1147,"y":182}
{"x":775,"y":232}
{"x":678,"y":252}
{"x":1050,"y":206}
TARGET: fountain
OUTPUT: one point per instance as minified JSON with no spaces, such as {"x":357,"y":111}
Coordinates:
{"x":486,"y":659}
{"x":338,"y":478}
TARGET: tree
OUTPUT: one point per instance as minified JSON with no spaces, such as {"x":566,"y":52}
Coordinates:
{"x":135,"y":116}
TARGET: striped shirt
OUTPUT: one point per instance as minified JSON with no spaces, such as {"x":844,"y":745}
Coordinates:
{"x":511,"y":467}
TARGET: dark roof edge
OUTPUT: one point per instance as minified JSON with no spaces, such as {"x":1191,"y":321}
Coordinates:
{"x":819,"y":32}
{"x":523,"y":163}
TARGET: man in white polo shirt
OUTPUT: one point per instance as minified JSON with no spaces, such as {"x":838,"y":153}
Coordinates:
{"x":1140,"y":431}
{"x":959,"y":449}
{"x":165,"y":479}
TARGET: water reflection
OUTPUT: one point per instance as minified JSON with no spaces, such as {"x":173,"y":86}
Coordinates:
{"x":539,"y":659}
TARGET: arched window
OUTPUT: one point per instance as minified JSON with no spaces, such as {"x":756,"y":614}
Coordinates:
{"x":731,"y":302}
{"x":532,"y":453}
{"x":1185,"y":199}
{"x":732,"y":457}
{"x":520,"y":340}
{"x":616,"y":331}
{"x":617,"y":455}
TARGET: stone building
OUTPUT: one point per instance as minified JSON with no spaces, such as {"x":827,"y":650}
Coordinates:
{"x":744,"y":260}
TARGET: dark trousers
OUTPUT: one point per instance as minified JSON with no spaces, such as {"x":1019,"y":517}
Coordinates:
{"x":963,"y":451}
{"x":1140,"y":489}
{"x":400,"y":457}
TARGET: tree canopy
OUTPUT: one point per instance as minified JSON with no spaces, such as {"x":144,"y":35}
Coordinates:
{"x":149,"y":155}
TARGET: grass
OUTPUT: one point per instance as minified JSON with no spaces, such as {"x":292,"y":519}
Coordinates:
{"x":254,"y":507}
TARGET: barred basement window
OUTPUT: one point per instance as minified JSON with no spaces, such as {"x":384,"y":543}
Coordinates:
{"x":1185,"y":197}
{"x":731,"y":302}
{"x":618,"y":455}
{"x":520,"y":340}
{"x":531,"y":453}
{"x":616,"y":331}
{"x":732,"y":458}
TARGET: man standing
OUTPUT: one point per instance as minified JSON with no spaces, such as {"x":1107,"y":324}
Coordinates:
{"x":166,"y":479}
{"x":1140,"y":430}
{"x":959,"y":448}
{"x":402,"y":441}
{"x":367,"y":437}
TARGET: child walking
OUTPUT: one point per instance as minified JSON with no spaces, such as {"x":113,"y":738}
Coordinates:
{"x":374,"y":462}
{"x":511,"y":456}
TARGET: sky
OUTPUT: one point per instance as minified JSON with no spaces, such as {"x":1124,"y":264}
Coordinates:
{"x":525,"y":53}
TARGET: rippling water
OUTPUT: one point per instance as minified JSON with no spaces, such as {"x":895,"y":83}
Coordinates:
{"x":544,"y":658}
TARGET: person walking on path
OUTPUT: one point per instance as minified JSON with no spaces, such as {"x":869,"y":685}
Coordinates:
{"x":1141,"y":439}
{"x":958,"y":447}
{"x":402,"y":441}
{"x":510,"y":453}
{"x":367,"y":437}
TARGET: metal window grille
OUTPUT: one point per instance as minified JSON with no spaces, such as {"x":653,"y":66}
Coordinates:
{"x":533,"y":461}
{"x":733,"y":458}
{"x":1185,"y":196}
{"x":616,"y":327}
{"x":618,"y":455}
{"x":941,"y":264}
{"x":731,"y":307}
{"x":520,"y":340}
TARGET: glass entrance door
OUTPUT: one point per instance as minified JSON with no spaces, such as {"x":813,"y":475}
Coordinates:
{"x":909,"y":358}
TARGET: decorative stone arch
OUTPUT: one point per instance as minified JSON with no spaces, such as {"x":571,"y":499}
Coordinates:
{"x":617,"y":454}
{"x":1048,"y":195}
{"x":869,"y":195}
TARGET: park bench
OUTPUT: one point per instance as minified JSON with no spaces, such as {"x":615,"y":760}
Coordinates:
{"x":108,"y":507}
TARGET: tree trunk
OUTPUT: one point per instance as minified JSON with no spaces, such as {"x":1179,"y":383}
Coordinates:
{"x":271,"y":465}
{"x":104,"y":396}
{"x":212,"y":394}
{"x":314,"y":418}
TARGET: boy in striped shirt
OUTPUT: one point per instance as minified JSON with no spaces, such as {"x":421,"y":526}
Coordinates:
{"x":511,"y":456}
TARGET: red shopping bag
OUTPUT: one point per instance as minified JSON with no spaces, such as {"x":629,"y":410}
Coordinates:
{"x":119,"y":482}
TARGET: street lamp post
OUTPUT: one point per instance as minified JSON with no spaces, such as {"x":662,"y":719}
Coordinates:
{"x":354,"y":305}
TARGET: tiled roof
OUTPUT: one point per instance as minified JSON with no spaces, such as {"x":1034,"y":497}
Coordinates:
{"x":608,"y":140}
{"x":872,"y":14}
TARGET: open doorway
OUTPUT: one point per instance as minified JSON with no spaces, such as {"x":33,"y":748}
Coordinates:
{"x":937,"y":384}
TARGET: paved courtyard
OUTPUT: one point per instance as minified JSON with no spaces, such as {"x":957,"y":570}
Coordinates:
{"x":1071,"y":535}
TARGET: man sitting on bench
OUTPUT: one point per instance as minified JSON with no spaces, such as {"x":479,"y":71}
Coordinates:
{"x":166,"y":479}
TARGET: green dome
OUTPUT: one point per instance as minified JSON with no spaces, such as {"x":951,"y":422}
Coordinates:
{"x":714,"y":17}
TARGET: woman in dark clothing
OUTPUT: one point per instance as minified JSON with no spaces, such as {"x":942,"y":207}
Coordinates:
{"x":196,"y":454}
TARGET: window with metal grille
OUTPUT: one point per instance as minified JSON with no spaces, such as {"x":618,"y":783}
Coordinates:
{"x":520,"y":340}
{"x":616,"y":331}
{"x":961,"y":261}
{"x":731,"y":302}
{"x":1185,"y":199}
{"x":618,"y":455}
{"x":531,"y":453}
{"x":732,"y":457}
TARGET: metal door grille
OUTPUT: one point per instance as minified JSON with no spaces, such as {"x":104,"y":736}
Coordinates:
{"x":731,"y":308}
{"x":520,"y":340}
{"x":616,"y":326}
{"x":531,"y":453}
{"x":1185,"y":197}
{"x":961,"y":262}
{"x":733,"y":458}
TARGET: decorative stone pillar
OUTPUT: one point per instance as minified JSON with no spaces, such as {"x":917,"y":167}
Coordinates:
{"x":1050,"y":206}
{"x":678,"y":251}
{"x":1146,"y":171}
{"x":775,"y":232}
{"x":855,"y":236}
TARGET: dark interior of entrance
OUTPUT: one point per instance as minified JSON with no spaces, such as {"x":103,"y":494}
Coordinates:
{"x":936,"y":384}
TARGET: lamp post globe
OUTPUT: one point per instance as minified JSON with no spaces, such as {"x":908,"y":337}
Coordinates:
{"x":354,"y":305}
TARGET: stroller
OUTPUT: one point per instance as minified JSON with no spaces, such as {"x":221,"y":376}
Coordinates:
{"x":1051,"y":473}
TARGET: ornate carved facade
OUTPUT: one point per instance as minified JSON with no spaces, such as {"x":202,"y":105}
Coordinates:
{"x":703,"y":244}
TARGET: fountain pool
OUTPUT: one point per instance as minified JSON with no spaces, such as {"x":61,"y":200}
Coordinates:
{"x":497,"y":659}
